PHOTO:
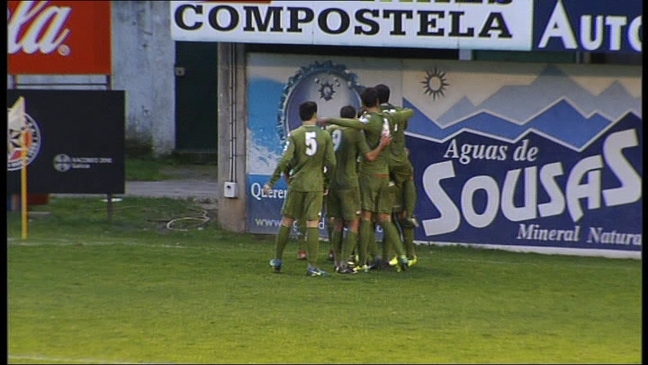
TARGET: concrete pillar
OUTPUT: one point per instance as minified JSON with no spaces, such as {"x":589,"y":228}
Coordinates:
{"x":232,"y":136}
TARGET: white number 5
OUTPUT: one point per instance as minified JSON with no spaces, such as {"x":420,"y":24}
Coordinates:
{"x":311,"y":144}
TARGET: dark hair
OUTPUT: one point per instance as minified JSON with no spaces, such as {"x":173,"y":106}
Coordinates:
{"x":369,"y":97}
{"x":307,"y":109}
{"x":383,"y":93}
{"x":348,"y":112}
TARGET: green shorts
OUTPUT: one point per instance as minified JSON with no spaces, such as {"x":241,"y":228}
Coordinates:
{"x":343,"y":203}
{"x":401,"y":171}
{"x":397,"y":193}
{"x":375,"y":194}
{"x":305,"y":205}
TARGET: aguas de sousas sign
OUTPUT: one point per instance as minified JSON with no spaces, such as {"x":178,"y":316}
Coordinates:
{"x":469,"y":24}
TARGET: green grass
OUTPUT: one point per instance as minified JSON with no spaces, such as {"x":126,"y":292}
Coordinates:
{"x":146,"y":168}
{"x":84,"y":290}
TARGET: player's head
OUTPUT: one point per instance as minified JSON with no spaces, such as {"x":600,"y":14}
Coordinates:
{"x":369,"y":97}
{"x":347,"y":112}
{"x":307,"y":110}
{"x":383,"y":93}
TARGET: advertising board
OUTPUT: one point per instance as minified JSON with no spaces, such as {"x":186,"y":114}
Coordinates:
{"x":508,"y":154}
{"x":75,"y":142}
{"x":59,"y":37}
{"x":588,"y":26}
{"x":488,"y":24}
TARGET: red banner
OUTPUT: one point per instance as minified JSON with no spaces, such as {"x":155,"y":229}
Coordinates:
{"x":59,"y":37}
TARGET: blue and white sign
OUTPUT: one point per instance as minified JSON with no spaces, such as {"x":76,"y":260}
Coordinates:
{"x":588,"y":26}
{"x":277,"y":84}
{"x":450,"y":24}
{"x":505,"y":154}
{"x":527,"y":155}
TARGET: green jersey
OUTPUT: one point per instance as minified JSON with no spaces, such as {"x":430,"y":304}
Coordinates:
{"x":348,"y":143}
{"x":374,"y":126}
{"x":398,"y":124}
{"x":308,"y":150}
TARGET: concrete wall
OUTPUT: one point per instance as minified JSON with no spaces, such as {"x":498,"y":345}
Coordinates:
{"x":143,"y":57}
{"x":232,"y":130}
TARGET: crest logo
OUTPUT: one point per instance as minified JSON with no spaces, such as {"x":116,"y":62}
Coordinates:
{"x":15,"y":128}
{"x":330,"y":85}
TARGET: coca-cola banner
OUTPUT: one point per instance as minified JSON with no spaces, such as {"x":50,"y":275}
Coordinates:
{"x":59,"y":37}
{"x":74,"y":141}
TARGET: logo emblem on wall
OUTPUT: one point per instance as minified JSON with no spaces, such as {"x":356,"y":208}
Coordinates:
{"x":330,"y":85}
{"x":62,"y":162}
{"x":435,"y":83}
{"x":14,"y":141}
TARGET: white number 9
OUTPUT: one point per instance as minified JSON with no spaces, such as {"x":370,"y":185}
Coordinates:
{"x":337,"y":138}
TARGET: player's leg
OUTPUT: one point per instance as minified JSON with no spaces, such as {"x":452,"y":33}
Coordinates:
{"x":409,"y":197}
{"x":388,"y":251}
{"x":407,"y":229}
{"x":329,"y":222}
{"x":350,"y":212}
{"x":335,"y":225}
{"x":312,"y":212}
{"x":332,"y":237}
{"x":281,"y":240}
{"x":384,"y":208}
{"x":301,"y":240}
{"x":369,"y":189}
{"x":403,"y":176}
{"x":374,"y":253}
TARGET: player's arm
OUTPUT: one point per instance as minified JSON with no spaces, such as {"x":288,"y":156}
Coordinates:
{"x":286,"y":174}
{"x":283,"y":165}
{"x":329,"y":161}
{"x":344,"y":122}
{"x":402,"y":116}
{"x":366,"y":151}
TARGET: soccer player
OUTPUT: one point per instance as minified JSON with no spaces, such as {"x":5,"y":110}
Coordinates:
{"x":343,"y":198}
{"x":401,"y":170}
{"x":300,"y":225}
{"x":376,"y":199}
{"x":406,"y":231}
{"x":309,"y":149}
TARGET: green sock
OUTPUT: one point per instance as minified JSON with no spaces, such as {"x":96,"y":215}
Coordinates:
{"x":336,"y":245}
{"x":348,"y":244}
{"x":408,"y":242}
{"x":312,"y":245}
{"x":372,"y":246}
{"x":409,"y":197}
{"x":330,"y":231}
{"x":281,"y":240}
{"x":366,"y":234}
{"x":302,"y":237}
{"x":386,"y":249}
{"x":391,"y":234}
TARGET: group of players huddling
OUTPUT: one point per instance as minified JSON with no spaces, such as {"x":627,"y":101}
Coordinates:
{"x":359,"y":163}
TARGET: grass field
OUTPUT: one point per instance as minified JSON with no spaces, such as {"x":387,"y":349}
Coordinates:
{"x":84,"y":290}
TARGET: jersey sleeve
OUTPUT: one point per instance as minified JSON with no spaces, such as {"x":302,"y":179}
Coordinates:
{"x":284,"y":163}
{"x":361,"y":143}
{"x":351,"y":123}
{"x":402,"y":116}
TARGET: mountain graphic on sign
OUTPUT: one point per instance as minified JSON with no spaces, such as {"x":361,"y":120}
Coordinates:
{"x":520,"y":104}
{"x":561,"y":123}
{"x":552,"y":105}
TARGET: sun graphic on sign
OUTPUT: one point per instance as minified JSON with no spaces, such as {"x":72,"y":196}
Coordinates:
{"x":435,"y":83}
